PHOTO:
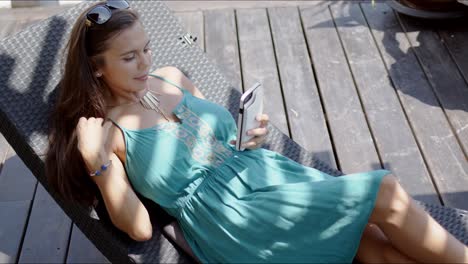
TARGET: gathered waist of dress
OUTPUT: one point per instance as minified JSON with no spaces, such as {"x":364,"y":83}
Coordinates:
{"x":199,"y":183}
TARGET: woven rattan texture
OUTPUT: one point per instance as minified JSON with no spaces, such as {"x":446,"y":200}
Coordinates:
{"x":30,"y":64}
{"x":454,"y":220}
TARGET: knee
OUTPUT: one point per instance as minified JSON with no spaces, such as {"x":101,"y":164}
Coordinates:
{"x":374,"y":246}
{"x":392,"y":201}
{"x":391,"y":255}
{"x":387,"y":253}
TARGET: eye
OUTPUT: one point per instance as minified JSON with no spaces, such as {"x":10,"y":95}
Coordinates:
{"x":147,"y":50}
{"x":129,"y":58}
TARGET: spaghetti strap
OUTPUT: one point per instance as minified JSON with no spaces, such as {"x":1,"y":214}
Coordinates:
{"x":115,"y":123}
{"x":170,"y":82}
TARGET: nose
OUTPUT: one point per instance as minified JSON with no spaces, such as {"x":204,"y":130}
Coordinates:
{"x":145,"y":60}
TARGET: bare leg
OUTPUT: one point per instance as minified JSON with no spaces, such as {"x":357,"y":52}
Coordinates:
{"x":375,"y":248}
{"x":175,"y":233}
{"x":411,"y":230}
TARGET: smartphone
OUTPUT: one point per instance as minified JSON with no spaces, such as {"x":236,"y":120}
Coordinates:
{"x":251,"y":104}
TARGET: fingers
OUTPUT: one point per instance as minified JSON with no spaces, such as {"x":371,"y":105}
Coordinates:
{"x":258,"y":139}
{"x":254,"y":142}
{"x":257,"y":132}
{"x":81,"y":122}
{"x":98,"y":120}
{"x":84,"y":122}
{"x":262,"y":129}
{"x":263,"y":119}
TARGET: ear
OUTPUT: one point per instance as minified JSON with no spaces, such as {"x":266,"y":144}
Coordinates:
{"x":97,"y":65}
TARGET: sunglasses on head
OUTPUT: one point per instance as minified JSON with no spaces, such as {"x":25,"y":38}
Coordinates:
{"x":100,"y":14}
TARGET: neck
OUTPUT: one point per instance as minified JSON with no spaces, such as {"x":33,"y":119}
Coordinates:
{"x":114,"y":99}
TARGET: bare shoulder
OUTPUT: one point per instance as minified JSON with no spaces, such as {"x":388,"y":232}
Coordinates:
{"x":115,"y":138}
{"x":178,"y":77}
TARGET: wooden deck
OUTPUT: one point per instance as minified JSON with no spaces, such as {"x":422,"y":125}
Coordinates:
{"x":358,"y":85}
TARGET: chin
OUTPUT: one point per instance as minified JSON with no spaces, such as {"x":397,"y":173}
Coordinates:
{"x":140,"y":85}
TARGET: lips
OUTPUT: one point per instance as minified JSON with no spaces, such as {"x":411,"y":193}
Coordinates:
{"x":142,"y":78}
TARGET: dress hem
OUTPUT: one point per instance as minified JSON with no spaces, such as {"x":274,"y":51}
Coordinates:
{"x":361,"y":232}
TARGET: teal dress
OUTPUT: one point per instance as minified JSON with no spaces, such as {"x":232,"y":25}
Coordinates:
{"x":245,"y":206}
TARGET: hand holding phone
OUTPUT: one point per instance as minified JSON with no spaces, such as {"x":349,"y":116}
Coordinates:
{"x":251,"y":105}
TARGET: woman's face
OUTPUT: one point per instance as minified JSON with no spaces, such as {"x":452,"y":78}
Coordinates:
{"x":127,"y":62}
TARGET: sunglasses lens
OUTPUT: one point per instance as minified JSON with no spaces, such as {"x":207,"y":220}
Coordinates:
{"x":99,"y":15}
{"x":118,"y":4}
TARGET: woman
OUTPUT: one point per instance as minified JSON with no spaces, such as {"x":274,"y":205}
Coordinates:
{"x":230,"y":206}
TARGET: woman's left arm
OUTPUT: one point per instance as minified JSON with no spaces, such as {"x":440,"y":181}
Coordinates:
{"x":259,"y":133}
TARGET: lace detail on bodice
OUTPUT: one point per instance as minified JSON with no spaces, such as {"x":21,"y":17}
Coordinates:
{"x":199,"y":138}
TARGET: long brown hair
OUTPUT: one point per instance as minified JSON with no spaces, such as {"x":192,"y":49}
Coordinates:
{"x":81,"y":94}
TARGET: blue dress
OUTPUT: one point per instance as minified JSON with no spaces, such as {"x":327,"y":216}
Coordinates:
{"x":245,"y":206}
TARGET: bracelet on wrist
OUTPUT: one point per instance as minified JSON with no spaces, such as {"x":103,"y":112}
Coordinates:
{"x":103,"y":168}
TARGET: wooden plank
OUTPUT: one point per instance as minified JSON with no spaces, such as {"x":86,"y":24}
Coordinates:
{"x":193,"y":22}
{"x":303,"y":106}
{"x":178,"y":5}
{"x":13,"y":217}
{"x":82,"y":250}
{"x":6,"y":28}
{"x":47,"y":234}
{"x":352,"y":138}
{"x":19,"y":25}
{"x":455,"y":38}
{"x":10,"y":27}
{"x":259,"y":64}
{"x":17,"y":187}
{"x":30,"y":13}
{"x":16,"y":181}
{"x":392,"y":133}
{"x":441,"y":151}
{"x":221,"y":44}
{"x":443,"y":74}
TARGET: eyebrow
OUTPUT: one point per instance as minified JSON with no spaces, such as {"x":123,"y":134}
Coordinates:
{"x":127,"y":52}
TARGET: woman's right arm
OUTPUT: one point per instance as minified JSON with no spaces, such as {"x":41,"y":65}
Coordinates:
{"x":125,"y":209}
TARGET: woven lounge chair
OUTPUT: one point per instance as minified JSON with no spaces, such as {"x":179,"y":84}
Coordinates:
{"x":30,"y":71}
